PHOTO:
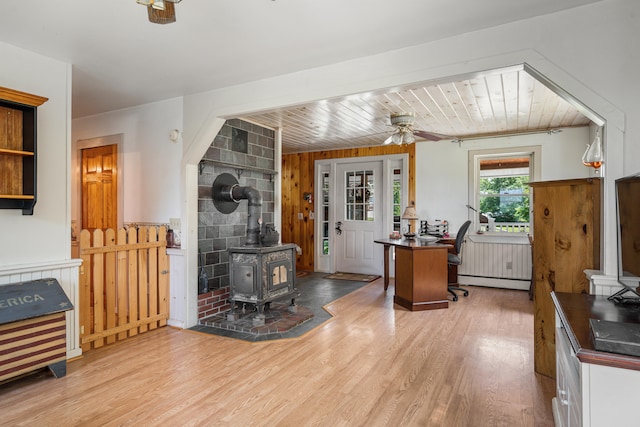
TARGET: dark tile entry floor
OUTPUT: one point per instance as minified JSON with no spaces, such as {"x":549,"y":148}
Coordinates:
{"x":315,"y":292}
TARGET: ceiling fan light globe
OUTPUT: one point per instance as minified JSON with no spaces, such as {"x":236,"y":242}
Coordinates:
{"x":408,"y":138}
{"x":388,"y":140}
{"x":396,"y":138}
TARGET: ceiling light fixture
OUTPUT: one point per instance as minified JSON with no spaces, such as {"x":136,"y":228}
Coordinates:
{"x":405,"y":133}
{"x":160,"y":11}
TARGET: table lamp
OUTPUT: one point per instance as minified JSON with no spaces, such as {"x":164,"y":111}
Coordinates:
{"x":410,"y":214}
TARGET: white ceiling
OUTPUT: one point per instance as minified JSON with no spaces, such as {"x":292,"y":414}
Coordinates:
{"x":122,"y":60}
{"x":495,"y":102}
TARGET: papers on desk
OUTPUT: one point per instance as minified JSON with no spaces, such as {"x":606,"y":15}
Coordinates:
{"x":427,"y":238}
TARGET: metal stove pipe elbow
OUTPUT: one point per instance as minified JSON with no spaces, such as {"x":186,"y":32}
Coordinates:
{"x":254,"y":210}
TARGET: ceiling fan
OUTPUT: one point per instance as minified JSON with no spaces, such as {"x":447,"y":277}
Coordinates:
{"x":405,"y":133}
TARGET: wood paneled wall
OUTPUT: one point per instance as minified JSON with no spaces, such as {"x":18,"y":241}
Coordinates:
{"x":298,"y":178}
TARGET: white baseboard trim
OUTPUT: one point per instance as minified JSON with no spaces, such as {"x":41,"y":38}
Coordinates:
{"x":176,"y":323}
{"x":491,"y":282}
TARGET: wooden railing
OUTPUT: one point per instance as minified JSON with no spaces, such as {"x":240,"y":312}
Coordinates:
{"x":124,"y":284}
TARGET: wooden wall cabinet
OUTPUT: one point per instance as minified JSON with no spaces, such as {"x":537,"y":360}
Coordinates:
{"x":566,"y":224}
{"x":18,"y":142}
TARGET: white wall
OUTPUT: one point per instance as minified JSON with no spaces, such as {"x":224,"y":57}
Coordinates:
{"x":39,"y":246}
{"x":44,"y":236}
{"x":442,"y":176}
{"x":151,"y":160}
{"x":589,"y":51}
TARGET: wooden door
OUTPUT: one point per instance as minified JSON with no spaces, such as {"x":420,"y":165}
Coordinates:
{"x":100,"y":187}
{"x":566,"y":220}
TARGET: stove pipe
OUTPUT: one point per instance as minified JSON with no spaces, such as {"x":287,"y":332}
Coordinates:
{"x":226,"y":195}
{"x":254,"y":209}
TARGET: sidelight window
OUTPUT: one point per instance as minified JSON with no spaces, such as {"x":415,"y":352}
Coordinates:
{"x":325,"y":213}
{"x":397,"y":198}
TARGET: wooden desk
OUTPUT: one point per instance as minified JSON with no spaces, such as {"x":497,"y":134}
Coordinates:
{"x":421,"y":273}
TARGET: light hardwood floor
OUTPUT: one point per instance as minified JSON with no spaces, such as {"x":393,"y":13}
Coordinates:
{"x":372,"y":365}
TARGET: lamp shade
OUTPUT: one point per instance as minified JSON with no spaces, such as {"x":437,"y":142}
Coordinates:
{"x":167,"y":15}
{"x":410,"y":213}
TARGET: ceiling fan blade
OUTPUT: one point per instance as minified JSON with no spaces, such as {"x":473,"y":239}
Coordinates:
{"x":388,"y":140}
{"x":430,"y":136}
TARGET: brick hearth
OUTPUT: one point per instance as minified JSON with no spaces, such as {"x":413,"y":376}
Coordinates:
{"x":277,"y":320}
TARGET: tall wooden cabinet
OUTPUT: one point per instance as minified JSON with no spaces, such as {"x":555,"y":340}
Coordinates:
{"x":18,"y":136}
{"x":566,"y":224}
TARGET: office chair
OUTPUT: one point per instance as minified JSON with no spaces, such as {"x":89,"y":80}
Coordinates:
{"x":456,"y":259}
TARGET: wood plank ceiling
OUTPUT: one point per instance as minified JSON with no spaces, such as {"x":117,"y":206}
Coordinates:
{"x":499,"y":102}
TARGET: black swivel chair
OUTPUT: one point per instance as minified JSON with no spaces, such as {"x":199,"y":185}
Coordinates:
{"x":456,"y":259}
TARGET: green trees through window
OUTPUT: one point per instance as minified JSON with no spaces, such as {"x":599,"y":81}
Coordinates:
{"x":506,"y":199}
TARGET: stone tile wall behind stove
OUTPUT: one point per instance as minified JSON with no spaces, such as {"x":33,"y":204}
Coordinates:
{"x":217,"y":231}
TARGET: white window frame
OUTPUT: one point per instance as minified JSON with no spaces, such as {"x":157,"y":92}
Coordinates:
{"x":535,"y":154}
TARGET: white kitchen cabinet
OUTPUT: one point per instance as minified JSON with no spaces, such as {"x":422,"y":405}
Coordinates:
{"x":593,"y":388}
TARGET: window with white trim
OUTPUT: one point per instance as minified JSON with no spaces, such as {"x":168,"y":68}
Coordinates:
{"x":501,"y":193}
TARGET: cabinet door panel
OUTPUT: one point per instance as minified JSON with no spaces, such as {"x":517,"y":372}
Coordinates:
{"x":566,"y":217}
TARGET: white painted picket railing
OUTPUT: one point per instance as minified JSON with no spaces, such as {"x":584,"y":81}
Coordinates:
{"x":506,"y":227}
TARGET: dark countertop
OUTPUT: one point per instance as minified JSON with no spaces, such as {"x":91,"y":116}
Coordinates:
{"x":415,"y":244}
{"x":575,"y":310}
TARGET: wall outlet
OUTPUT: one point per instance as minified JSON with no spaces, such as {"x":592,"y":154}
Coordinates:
{"x":509,"y":265}
{"x":175,"y":224}
{"x":300,"y":215}
{"x":312,"y":215}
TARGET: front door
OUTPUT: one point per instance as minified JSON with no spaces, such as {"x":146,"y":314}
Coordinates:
{"x":358,"y":213}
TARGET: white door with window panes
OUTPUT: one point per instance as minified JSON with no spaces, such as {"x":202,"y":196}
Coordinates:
{"x":358,"y":219}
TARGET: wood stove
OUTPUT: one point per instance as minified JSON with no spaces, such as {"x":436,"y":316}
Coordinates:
{"x":261,"y":274}
{"x":262,"y":270}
